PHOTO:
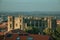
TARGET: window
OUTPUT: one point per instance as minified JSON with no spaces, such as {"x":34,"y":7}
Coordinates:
{"x":30,"y":38}
{"x":10,"y":25}
{"x":16,"y":25}
{"x":10,"y":19}
{"x":20,"y":26}
{"x":20,"y":20}
{"x":18,"y":32}
{"x":9,"y":35}
{"x":18,"y":38}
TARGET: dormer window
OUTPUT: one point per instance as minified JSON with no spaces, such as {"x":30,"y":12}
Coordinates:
{"x":29,"y":38}
{"x":18,"y":38}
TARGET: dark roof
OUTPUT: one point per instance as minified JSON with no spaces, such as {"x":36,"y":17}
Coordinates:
{"x":17,"y":31}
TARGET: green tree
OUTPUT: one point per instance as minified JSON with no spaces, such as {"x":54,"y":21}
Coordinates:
{"x":34,"y":30}
{"x":48,"y":31}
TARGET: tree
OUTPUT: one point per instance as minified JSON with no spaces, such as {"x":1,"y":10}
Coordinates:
{"x":48,"y":31}
{"x":34,"y":30}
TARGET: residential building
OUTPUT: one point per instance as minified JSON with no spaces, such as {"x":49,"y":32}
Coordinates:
{"x":58,"y":22}
{"x":27,"y":22}
{"x":41,"y":22}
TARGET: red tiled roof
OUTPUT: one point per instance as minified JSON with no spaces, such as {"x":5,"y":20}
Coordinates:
{"x":35,"y":37}
{"x":3,"y":25}
{"x":1,"y":33}
{"x":24,"y":37}
{"x":40,"y":37}
{"x":58,"y":21}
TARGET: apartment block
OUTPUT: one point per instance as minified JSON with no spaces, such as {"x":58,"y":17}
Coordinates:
{"x":41,"y":22}
{"x":27,"y":22}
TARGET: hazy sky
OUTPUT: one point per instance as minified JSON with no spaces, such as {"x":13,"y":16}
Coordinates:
{"x":29,"y":5}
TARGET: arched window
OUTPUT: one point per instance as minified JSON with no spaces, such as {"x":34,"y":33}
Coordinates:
{"x":18,"y":38}
{"x":29,"y":38}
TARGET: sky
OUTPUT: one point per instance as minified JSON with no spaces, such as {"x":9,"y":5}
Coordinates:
{"x":29,"y":5}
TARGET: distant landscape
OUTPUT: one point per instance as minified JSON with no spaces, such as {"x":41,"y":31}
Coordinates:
{"x":33,"y":13}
